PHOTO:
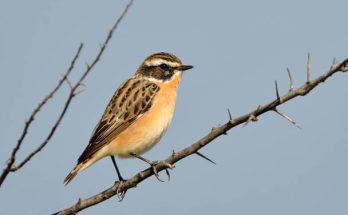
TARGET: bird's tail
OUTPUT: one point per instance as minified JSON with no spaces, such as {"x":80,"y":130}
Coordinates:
{"x":73,"y":173}
{"x":84,"y":162}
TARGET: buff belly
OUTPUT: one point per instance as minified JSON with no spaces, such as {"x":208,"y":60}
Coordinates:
{"x":142,"y":135}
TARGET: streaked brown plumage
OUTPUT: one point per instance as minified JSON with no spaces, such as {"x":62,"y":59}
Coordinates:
{"x":138,"y":113}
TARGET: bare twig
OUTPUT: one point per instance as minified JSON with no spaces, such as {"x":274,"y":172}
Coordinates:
{"x":106,"y":42}
{"x":193,"y":149}
{"x":73,"y":92}
{"x":50,"y":134}
{"x":10,"y":163}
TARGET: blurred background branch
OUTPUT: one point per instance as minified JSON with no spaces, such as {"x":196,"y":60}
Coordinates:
{"x":74,"y":90}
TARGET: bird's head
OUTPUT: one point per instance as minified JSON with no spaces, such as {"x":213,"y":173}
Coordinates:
{"x":162,"y":67}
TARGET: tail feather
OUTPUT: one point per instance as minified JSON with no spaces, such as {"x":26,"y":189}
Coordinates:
{"x":84,"y":163}
{"x":72,"y":174}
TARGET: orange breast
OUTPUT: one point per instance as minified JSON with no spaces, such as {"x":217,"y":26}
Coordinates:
{"x":143,"y":134}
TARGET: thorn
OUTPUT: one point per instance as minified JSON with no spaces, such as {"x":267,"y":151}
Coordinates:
{"x":79,"y":201}
{"x":173,"y":153}
{"x":309,"y":68}
{"x":287,"y":118}
{"x":205,"y":157}
{"x":251,"y":118}
{"x":277,"y":91}
{"x":291,"y":80}
{"x":229,"y":114}
{"x":333,"y":63}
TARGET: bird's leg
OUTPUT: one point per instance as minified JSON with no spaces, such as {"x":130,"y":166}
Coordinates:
{"x":120,"y":194}
{"x":120,"y":178}
{"x":153,"y":165}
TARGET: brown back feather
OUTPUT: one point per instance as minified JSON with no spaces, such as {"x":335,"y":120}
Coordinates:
{"x":130,"y":101}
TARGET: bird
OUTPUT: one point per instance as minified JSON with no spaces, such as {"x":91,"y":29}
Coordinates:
{"x":138,"y":114}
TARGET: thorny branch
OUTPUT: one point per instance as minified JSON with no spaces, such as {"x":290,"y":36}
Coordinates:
{"x":120,"y":188}
{"x":74,"y":90}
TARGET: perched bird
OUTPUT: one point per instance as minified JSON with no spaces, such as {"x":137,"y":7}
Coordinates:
{"x":137,"y":115}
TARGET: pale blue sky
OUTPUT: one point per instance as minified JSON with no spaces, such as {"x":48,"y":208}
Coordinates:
{"x":238,"y":49}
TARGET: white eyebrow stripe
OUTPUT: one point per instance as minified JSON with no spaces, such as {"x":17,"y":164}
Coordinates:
{"x":157,"y":62}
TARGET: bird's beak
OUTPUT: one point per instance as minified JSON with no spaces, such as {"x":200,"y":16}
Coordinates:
{"x":185,"y":67}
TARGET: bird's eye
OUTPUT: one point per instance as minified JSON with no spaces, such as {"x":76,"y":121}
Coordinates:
{"x":164,"y":66}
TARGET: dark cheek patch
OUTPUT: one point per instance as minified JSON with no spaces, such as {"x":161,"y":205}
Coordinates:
{"x":157,"y":73}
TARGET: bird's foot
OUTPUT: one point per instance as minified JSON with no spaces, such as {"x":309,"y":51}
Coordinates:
{"x":153,"y":165}
{"x":166,"y":165}
{"x":121,"y":193}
